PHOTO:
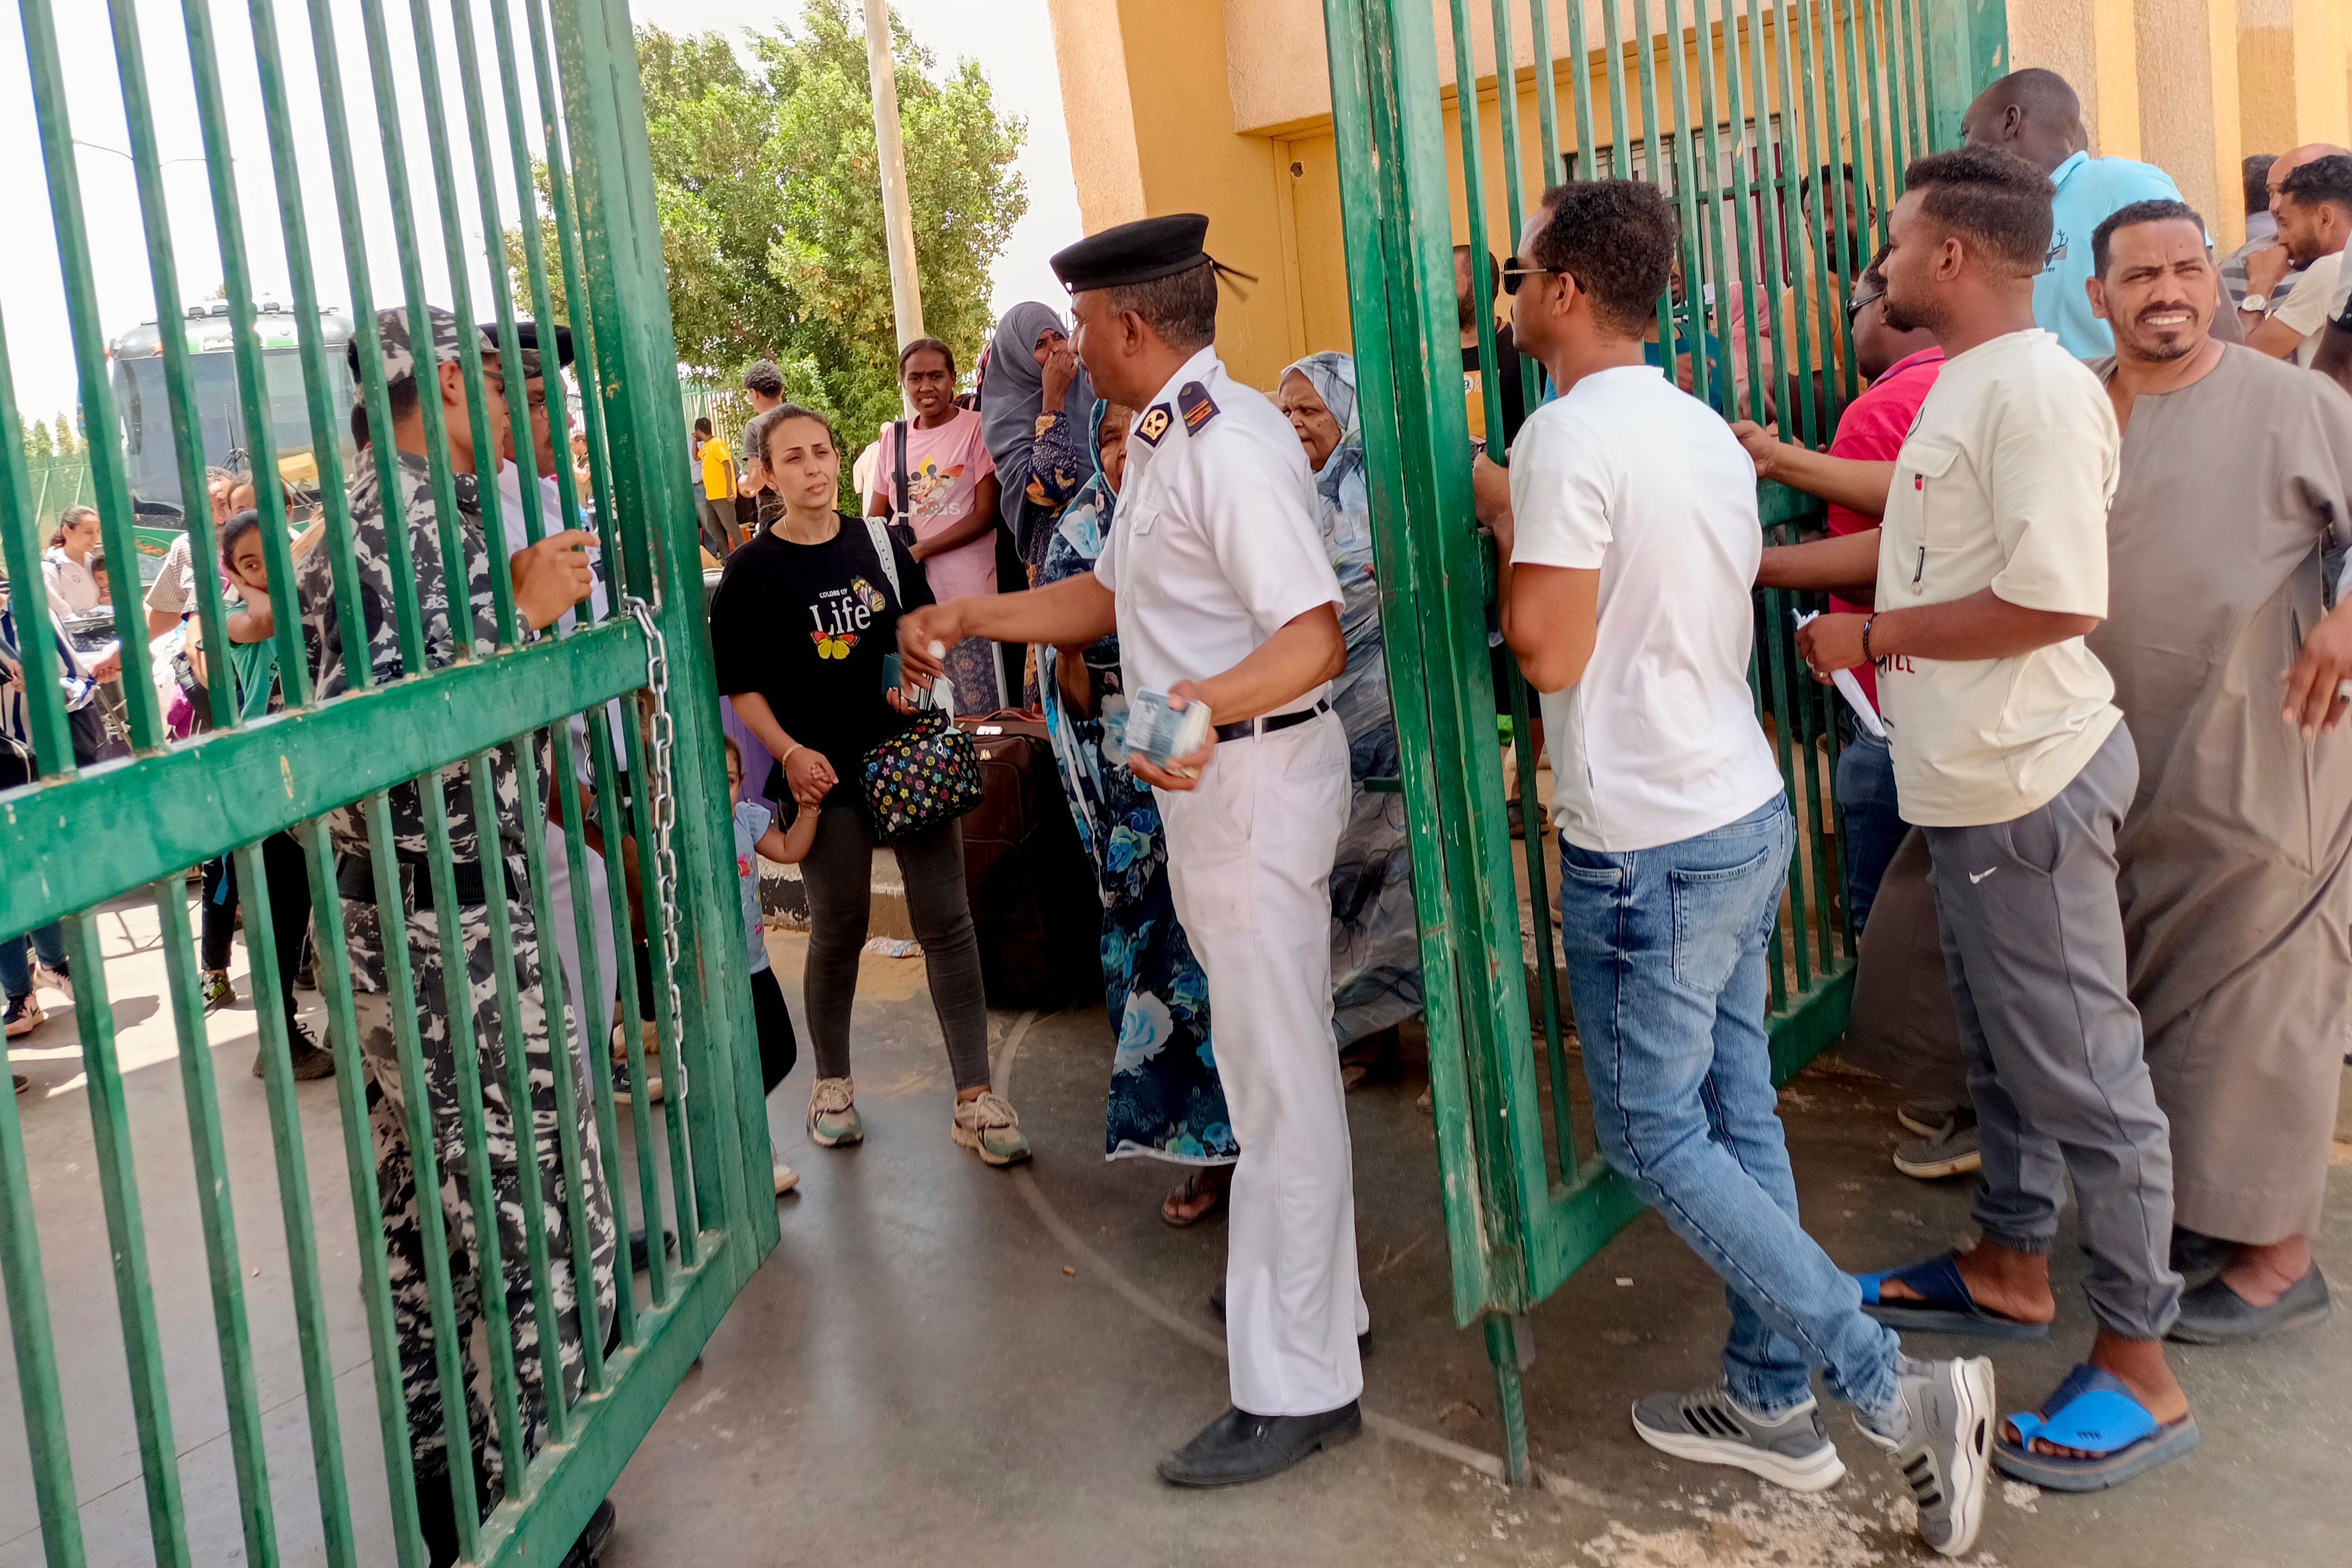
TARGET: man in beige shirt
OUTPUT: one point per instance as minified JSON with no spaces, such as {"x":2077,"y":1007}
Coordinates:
{"x":2010,"y":753}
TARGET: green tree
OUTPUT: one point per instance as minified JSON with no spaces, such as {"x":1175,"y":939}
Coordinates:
{"x":37,"y":441}
{"x":61,"y":432}
{"x":770,"y":197}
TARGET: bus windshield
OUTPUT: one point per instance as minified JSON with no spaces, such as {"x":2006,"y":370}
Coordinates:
{"x":146,"y":414}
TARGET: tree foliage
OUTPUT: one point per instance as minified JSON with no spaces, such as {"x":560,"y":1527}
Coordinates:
{"x":769,"y":196}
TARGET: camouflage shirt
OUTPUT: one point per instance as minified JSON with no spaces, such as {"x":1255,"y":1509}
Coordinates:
{"x":324,"y":637}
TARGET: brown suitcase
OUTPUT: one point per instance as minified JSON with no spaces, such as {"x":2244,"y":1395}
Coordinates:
{"x":1034,"y":899}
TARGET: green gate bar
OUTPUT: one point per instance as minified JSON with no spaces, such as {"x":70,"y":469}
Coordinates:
{"x":80,"y":838}
{"x":1739,"y":104}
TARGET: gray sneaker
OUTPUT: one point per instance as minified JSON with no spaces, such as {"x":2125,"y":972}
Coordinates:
{"x":1944,"y":1447}
{"x":1789,"y":1449}
{"x":1953,"y":1152}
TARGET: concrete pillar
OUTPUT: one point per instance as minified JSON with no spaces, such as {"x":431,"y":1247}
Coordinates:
{"x":2188,"y":121}
{"x":2092,"y":44}
{"x":2291,"y":73}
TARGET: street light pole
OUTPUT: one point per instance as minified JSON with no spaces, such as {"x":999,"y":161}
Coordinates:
{"x":898,"y":215}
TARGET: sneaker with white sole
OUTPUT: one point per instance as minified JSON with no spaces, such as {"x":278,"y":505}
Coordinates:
{"x":833,"y":1119}
{"x":25,"y":1015}
{"x":787,"y":1178}
{"x":1944,"y":1446}
{"x":1790,"y":1449}
{"x":991,"y":1128}
{"x":58,"y":976}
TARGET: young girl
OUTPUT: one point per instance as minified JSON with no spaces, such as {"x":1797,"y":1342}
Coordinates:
{"x":253,"y":661}
{"x":755,"y":832}
{"x":949,"y":502}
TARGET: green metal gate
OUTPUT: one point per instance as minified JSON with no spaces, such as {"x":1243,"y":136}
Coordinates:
{"x":1728,"y":106}
{"x":545,"y":89}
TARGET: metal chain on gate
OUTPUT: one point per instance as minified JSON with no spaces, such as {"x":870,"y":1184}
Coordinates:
{"x":662,"y":805}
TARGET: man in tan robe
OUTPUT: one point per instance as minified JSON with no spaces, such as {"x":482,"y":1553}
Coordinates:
{"x":2235,"y":861}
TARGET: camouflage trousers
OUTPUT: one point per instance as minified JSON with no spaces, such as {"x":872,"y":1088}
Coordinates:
{"x":513,"y":1181}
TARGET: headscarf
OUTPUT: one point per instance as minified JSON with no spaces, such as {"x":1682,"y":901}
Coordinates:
{"x":1347,"y":506}
{"x":1013,"y":396}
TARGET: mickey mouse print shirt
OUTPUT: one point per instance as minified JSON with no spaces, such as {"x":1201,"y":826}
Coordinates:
{"x":806,"y":627}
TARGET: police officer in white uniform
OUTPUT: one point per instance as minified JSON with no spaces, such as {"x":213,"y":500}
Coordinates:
{"x":1216,"y":579}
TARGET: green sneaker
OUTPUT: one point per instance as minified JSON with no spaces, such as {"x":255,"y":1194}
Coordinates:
{"x":218,"y":992}
{"x":991,"y":1128}
{"x":832,"y":1114}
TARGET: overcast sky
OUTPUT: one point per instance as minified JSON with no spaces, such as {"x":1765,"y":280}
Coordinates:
{"x":1010,"y":38}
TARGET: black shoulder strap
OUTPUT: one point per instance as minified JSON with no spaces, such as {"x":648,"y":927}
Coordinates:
{"x":902,"y":499}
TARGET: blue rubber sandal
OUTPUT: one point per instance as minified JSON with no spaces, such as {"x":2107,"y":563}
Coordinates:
{"x":2095,"y":1412}
{"x":1948,"y":1308}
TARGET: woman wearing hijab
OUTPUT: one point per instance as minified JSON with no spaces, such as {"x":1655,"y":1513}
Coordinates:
{"x":1165,"y":1100}
{"x":1375,"y":940}
{"x":1035,"y":406}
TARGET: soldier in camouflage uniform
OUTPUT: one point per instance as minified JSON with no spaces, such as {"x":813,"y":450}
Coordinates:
{"x":548,"y":578}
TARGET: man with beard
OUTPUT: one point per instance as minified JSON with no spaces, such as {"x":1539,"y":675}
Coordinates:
{"x":2313,"y":207}
{"x":2009,"y":753}
{"x":2237,"y":900}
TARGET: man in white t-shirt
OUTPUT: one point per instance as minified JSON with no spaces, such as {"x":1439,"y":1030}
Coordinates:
{"x":1624,"y":595}
{"x":2313,"y":207}
{"x":2011,"y":753}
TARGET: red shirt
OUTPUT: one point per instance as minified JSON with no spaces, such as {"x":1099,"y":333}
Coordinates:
{"x":1871,"y":430}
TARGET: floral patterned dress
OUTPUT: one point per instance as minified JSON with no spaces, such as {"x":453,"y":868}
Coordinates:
{"x":1165,"y":1099}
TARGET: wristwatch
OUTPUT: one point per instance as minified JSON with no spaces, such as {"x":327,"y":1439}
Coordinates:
{"x":2259,"y":303}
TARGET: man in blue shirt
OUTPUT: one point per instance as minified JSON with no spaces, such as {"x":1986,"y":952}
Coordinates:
{"x":2032,"y":114}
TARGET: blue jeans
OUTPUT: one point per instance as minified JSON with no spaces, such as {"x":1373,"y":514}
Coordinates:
{"x":1865,"y":789}
{"x":16,"y":964}
{"x":1666,"y":964}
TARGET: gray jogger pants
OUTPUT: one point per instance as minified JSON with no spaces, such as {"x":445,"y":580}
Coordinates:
{"x":2033,"y":945}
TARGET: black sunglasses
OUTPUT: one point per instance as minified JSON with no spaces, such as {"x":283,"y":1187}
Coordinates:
{"x":1856,"y":306}
{"x":1515,"y":269}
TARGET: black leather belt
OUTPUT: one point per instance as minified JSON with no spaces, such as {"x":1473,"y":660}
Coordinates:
{"x":355,"y":879}
{"x":1268,"y":725}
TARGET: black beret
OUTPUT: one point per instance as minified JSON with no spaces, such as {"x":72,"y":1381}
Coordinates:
{"x":1139,"y":252}
{"x":527,"y":336}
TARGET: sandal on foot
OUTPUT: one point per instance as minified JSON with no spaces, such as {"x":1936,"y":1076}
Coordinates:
{"x":2213,"y":1313}
{"x":2095,"y":1412}
{"x":1947,"y":1307}
{"x":1191,"y":1192}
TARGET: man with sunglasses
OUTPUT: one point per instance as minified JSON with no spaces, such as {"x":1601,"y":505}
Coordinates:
{"x":1627,"y":557}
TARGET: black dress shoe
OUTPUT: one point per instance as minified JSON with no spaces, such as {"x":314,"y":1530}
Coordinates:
{"x":638,"y":1259}
{"x":2198,"y":1257}
{"x":594,"y":1538}
{"x":2213,"y":1313}
{"x":1237,"y":1447}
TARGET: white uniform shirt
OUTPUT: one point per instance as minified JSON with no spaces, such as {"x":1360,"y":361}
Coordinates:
{"x":1658,"y":741}
{"x":1214,"y":546}
{"x":2004,"y":483}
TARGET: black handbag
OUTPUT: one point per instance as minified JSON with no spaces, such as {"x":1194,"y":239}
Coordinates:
{"x":928,"y":773}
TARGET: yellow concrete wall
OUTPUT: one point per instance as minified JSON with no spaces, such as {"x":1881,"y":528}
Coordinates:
{"x":2189,"y":84}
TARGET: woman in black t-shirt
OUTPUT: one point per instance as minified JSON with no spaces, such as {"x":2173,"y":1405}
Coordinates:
{"x":800,"y":626}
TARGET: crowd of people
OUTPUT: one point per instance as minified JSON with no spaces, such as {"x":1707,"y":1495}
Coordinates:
{"x":2095,"y":832}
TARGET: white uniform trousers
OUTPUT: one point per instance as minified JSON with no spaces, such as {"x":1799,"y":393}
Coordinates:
{"x":1249,"y":859}
{"x":567,"y":935}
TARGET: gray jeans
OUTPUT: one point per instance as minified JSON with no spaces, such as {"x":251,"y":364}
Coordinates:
{"x":2033,"y":945}
{"x":839,"y":873}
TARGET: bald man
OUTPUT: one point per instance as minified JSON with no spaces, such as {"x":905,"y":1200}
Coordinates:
{"x":2276,"y":272}
{"x":2034,"y":115}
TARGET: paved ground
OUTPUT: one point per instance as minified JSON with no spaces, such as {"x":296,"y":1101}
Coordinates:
{"x":945,"y":1362}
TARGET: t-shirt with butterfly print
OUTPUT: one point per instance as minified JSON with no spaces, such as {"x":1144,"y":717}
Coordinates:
{"x":807,"y":627}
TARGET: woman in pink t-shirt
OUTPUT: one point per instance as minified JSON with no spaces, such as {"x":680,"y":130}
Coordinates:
{"x":949,"y":501}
